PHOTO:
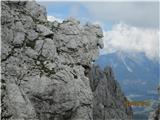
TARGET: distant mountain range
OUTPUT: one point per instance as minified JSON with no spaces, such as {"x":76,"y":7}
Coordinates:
{"x":135,"y":72}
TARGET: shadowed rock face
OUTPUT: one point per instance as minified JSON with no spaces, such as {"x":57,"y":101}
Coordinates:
{"x":108,"y":99}
{"x":45,"y":65}
{"x":155,"y":115}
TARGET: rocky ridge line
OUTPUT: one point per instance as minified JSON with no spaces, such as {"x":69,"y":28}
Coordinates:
{"x":45,"y":66}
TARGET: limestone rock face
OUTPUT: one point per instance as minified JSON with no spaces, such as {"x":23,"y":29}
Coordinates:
{"x":43,"y":70}
{"x":108,"y":99}
{"x":45,"y":65}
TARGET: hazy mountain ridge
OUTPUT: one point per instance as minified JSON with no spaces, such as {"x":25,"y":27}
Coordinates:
{"x":138,"y":76}
{"x":135,"y":68}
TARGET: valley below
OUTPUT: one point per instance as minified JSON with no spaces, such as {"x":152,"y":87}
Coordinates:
{"x":138,"y":77}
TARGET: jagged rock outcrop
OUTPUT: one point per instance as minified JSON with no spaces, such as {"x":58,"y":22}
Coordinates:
{"x":155,"y":115}
{"x":108,"y":100}
{"x":45,"y":65}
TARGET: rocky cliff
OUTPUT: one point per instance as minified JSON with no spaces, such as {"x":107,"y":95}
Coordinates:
{"x":47,"y":72}
{"x":108,"y":100}
{"x":155,"y":115}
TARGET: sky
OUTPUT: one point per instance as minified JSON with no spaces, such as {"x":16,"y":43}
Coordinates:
{"x":128,"y":26}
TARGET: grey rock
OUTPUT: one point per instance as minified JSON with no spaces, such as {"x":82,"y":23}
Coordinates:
{"x":95,"y":28}
{"x":44,"y":30}
{"x":72,"y":21}
{"x":55,"y":24}
{"x":7,"y":35}
{"x":39,"y":45}
{"x":31,"y":53}
{"x":6,"y":14}
{"x":78,"y":40}
{"x":19,"y":38}
{"x":5,"y":50}
{"x":109,"y":101}
{"x":49,"y":49}
{"x":32,"y":35}
{"x":21,"y":106}
{"x":36,"y":11}
{"x":70,"y":28}
{"x":155,"y":115}
{"x":19,"y":27}
{"x":27,"y":21}
{"x":45,"y":67}
{"x":100,"y":44}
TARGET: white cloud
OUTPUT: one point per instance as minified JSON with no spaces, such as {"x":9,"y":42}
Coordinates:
{"x":137,"y":13}
{"x":123,"y":37}
{"x":52,"y":18}
{"x":132,"y":12}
